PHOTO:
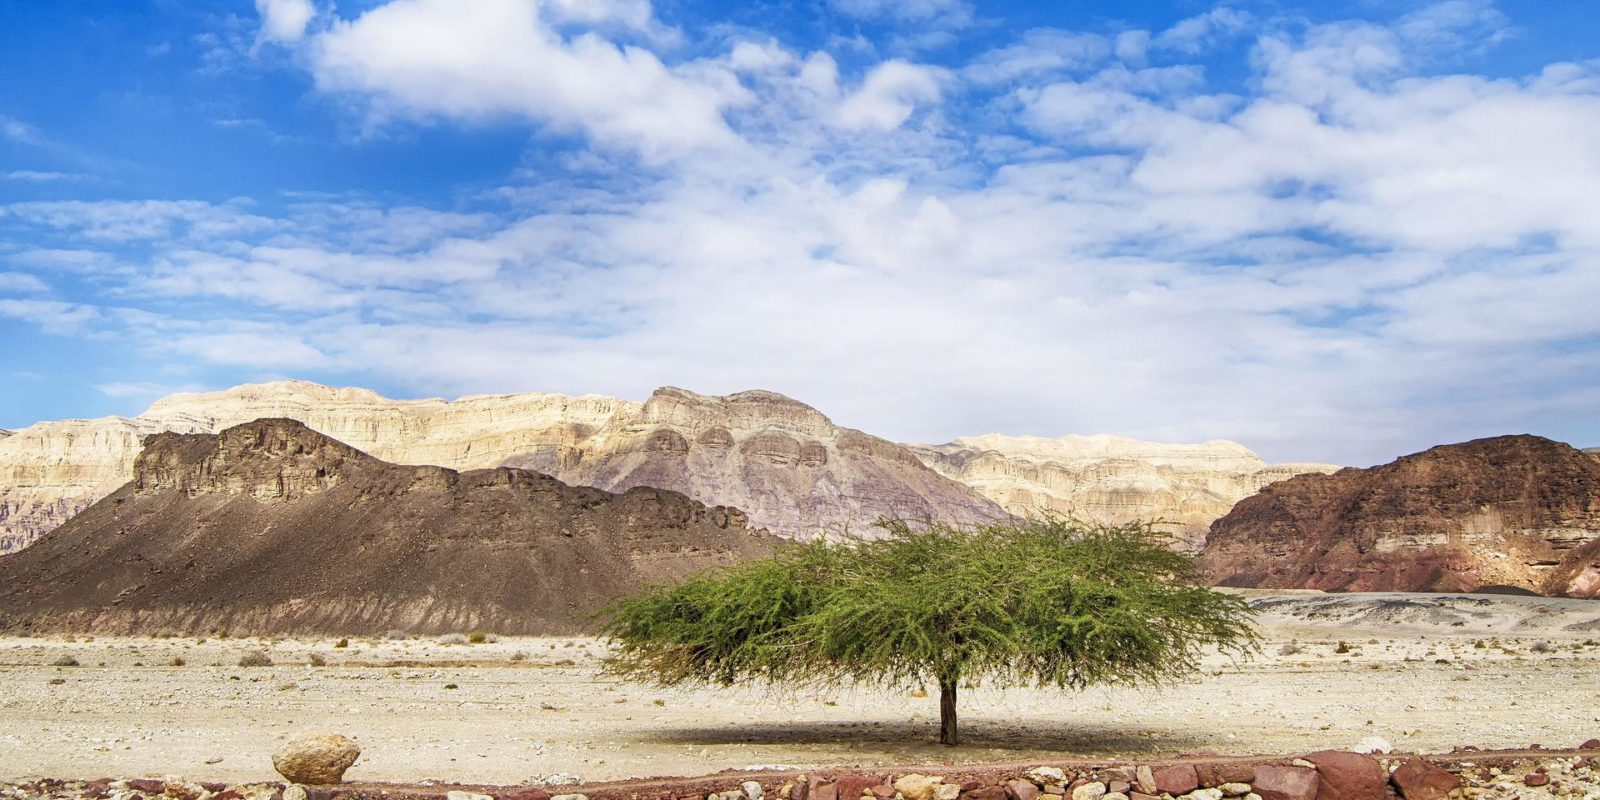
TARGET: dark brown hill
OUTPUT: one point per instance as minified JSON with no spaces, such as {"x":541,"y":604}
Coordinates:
{"x":1508,"y":511}
{"x":270,"y":527}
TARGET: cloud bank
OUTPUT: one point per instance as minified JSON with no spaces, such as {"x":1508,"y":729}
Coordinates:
{"x":1349,"y":255}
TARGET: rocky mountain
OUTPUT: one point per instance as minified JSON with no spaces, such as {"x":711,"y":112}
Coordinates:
{"x":270,"y":527}
{"x":1518,"y":511}
{"x":1109,"y":478}
{"x":794,"y":470}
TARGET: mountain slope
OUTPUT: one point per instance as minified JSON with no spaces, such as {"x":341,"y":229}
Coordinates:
{"x":796,"y":471}
{"x":1110,"y":478}
{"x":1512,"y":510}
{"x":270,"y":527}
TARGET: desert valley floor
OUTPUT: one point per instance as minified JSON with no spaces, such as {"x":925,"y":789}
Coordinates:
{"x":1424,"y":672}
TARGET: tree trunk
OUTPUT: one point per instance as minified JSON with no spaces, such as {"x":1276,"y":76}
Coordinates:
{"x":947,"y":712}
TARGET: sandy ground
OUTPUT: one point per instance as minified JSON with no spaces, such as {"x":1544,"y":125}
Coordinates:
{"x":1424,"y":673}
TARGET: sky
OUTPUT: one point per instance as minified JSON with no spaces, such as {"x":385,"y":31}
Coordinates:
{"x":1336,"y":230}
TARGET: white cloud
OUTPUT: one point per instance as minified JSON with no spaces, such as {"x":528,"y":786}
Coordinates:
{"x":950,"y":13}
{"x":1356,"y":260}
{"x":891,"y":92}
{"x":497,"y":58}
{"x":21,"y":283}
{"x":1196,"y":33}
{"x":37,"y":176}
{"x":284,"y":20}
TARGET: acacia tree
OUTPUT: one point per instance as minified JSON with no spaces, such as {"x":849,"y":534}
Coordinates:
{"x":1049,"y":603}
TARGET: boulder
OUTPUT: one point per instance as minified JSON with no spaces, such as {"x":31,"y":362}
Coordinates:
{"x":1421,"y":779}
{"x":1048,"y":776}
{"x":1145,"y":779}
{"x":1093,"y":790}
{"x":317,"y":758}
{"x":751,"y":789}
{"x":947,"y":791}
{"x":918,"y":787}
{"x":1218,"y":773}
{"x":1536,"y":779}
{"x":1177,"y":780}
{"x":1022,"y":790}
{"x":1348,"y":776}
{"x":1286,"y":783}
{"x":985,"y":793}
{"x":1592,"y":744}
{"x":1234,"y":789}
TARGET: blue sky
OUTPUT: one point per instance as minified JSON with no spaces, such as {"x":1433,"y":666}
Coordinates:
{"x":1334,"y":231}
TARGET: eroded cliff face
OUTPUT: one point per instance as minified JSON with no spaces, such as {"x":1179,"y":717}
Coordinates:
{"x":270,"y":527}
{"x":1512,"y":510}
{"x":785,"y":463}
{"x":1109,"y":478}
{"x":794,"y":470}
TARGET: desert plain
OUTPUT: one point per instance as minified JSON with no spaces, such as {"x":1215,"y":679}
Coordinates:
{"x":1422,"y":673}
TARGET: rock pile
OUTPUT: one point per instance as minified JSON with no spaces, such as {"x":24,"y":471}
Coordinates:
{"x":1325,"y":775}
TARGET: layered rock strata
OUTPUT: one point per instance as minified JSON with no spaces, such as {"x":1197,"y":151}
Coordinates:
{"x":1512,"y":511}
{"x":796,"y":472}
{"x":1111,"y":479}
{"x":270,"y":527}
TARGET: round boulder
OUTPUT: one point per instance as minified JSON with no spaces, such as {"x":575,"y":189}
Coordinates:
{"x":317,"y":758}
{"x":1348,"y":776}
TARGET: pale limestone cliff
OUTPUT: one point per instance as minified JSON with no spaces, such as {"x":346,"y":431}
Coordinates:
{"x":781,"y":461}
{"x":1110,"y":478}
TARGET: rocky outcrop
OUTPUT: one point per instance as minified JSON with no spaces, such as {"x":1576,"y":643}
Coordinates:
{"x":783,"y":462}
{"x":270,"y":527}
{"x":797,"y":472}
{"x":1518,"y":511}
{"x":1109,"y":478}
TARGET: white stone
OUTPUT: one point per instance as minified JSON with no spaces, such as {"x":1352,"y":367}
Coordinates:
{"x":1047,"y":776}
{"x":752,"y":790}
{"x":1093,"y":790}
{"x":458,"y":795}
{"x":1235,"y":789}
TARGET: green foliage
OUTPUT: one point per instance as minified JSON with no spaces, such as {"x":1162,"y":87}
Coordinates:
{"x":1048,"y":602}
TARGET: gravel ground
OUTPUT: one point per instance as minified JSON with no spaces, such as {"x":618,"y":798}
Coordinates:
{"x":517,"y":709}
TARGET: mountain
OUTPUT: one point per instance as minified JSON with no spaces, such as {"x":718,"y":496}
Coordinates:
{"x":271,"y":528}
{"x":1518,"y":511}
{"x":1109,"y":478}
{"x":794,"y":470}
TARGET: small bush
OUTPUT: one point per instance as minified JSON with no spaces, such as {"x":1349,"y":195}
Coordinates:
{"x":452,"y":638}
{"x":477,"y":637}
{"x":1344,"y":647}
{"x":318,"y":661}
{"x":520,"y":655}
{"x":1290,"y":649}
{"x":255,"y":658}
{"x":1542,"y":647}
{"x":177,"y":661}
{"x":342,"y":643}
{"x":65,"y":661}
{"x":397,"y":636}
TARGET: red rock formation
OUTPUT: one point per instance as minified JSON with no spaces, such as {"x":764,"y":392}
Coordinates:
{"x":1518,"y":511}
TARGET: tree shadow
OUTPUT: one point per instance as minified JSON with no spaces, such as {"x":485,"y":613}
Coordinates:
{"x":1085,"y":737}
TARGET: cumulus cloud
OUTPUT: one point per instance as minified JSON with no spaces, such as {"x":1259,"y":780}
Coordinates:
{"x":1357,"y":258}
{"x":284,"y":20}
{"x":499,"y":58}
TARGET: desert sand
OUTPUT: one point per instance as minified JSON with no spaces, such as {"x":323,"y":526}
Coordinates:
{"x":1426,"y":673}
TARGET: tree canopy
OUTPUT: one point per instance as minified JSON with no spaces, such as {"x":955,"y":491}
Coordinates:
{"x":1048,"y":603}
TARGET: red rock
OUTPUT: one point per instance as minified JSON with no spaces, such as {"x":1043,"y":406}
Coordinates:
{"x":1213,"y":775}
{"x":1348,"y":776}
{"x":799,"y":791}
{"x":1535,"y":779}
{"x":1053,"y":789}
{"x":1285,"y":783}
{"x":1180,"y":779}
{"x":526,"y":794}
{"x":985,"y":793}
{"x":1022,"y":790}
{"x":1118,"y":786}
{"x":1592,"y":744}
{"x":228,"y":794}
{"x":1141,"y":796}
{"x":1421,"y":779}
{"x":970,"y":785}
{"x":853,"y":786}
{"x":882,"y":792}
{"x":825,"y":791}
{"x":144,"y":785}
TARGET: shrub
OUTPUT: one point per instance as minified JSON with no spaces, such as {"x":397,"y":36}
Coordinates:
{"x":65,"y":661}
{"x":397,"y":636}
{"x":255,"y":658}
{"x":1542,"y":647}
{"x":477,"y":637}
{"x":520,"y":655}
{"x":177,"y":661}
{"x":342,"y":643}
{"x":318,"y":661}
{"x":452,"y":638}
{"x":1290,"y":649}
{"x":1344,"y":647}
